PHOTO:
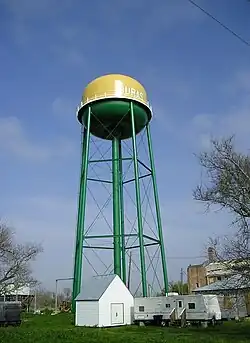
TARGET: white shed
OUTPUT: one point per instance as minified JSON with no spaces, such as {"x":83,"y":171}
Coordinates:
{"x":105,"y":302}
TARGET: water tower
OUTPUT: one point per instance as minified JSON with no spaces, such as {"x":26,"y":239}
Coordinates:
{"x":114,"y":111}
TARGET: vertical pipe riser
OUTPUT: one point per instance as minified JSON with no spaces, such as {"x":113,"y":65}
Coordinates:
{"x":123,"y":251}
{"x":157,"y":206}
{"x":116,"y":207}
{"x":138,"y":205}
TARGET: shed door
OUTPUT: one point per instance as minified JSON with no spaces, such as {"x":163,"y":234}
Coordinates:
{"x":117,"y":313}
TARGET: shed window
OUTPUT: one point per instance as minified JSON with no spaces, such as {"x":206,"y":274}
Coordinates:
{"x":191,"y":306}
{"x":141,"y":308}
{"x":180,"y":303}
{"x":167,"y":305}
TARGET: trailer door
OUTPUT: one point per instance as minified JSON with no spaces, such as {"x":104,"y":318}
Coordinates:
{"x":179,"y":307}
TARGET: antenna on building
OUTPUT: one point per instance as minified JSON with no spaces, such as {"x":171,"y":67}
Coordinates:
{"x":182,"y":276}
{"x":211,"y":254}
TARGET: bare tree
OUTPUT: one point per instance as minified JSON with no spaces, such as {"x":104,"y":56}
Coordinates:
{"x":67,"y":292}
{"x":227,"y":185}
{"x":15,"y":259}
{"x":44,"y":298}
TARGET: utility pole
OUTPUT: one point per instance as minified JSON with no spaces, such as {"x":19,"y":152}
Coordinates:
{"x":149,"y":293}
{"x":35,"y":301}
{"x":182,"y":274}
{"x":129,"y":269}
{"x":56,"y":295}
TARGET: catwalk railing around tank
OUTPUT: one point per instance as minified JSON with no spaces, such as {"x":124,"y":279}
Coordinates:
{"x":111,"y":95}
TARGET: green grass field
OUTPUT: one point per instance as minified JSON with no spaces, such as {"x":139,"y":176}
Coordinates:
{"x":60,"y":328}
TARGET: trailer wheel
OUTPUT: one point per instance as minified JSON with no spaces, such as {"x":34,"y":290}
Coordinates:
{"x":163,"y":323}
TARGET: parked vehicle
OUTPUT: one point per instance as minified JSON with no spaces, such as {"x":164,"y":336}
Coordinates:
{"x":177,"y":309}
{"x":157,"y":310}
{"x":10,"y":313}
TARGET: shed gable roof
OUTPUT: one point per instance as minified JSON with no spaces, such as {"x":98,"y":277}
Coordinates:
{"x":94,"y":289}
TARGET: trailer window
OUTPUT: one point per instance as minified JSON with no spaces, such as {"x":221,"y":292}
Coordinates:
{"x":191,"y":306}
{"x":180,"y":303}
{"x":141,"y":308}
{"x":167,"y":305}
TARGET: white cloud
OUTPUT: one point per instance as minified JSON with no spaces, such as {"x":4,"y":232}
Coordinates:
{"x":198,"y":131}
{"x":50,"y":221}
{"x":235,"y":121}
{"x":69,"y":54}
{"x":63,"y":108}
{"x":64,"y":38}
{"x":25,"y":9}
{"x":14,"y":140}
{"x":162,"y":15}
{"x":187,"y":228}
{"x":202,"y":121}
{"x":169,"y":14}
{"x":240,"y":82}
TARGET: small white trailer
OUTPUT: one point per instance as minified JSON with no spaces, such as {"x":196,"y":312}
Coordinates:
{"x":177,"y":309}
{"x":199,"y":308}
{"x":158,"y":310}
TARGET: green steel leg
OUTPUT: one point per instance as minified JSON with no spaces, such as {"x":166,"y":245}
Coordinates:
{"x":79,"y":216}
{"x":123,"y":251}
{"x":138,"y":205}
{"x":116,"y":206}
{"x":81,"y":213}
{"x":158,"y":213}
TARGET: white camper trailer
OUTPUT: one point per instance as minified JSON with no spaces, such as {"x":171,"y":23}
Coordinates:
{"x":177,"y":308}
{"x":199,"y":307}
{"x":158,"y":310}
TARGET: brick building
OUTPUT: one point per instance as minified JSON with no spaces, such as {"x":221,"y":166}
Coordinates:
{"x":210,"y":271}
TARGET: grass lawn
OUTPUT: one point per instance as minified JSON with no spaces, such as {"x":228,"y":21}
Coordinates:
{"x":60,"y":328}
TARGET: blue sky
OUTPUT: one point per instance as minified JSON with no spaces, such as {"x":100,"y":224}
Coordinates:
{"x":197,"y":78}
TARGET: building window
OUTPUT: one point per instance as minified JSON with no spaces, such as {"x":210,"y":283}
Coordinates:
{"x":191,"y":306}
{"x":180,"y":304}
{"x":228,"y":303}
{"x":197,"y":284}
{"x":219,"y":278}
{"x":141,"y":308}
{"x":167,"y":305}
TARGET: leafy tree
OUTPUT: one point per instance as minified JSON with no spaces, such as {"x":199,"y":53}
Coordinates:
{"x":177,"y":287}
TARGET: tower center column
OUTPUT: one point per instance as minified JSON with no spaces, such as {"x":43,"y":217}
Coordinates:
{"x":116,"y":205}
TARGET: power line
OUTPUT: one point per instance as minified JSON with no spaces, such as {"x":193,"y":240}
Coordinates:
{"x":184,"y":257}
{"x":220,"y":23}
